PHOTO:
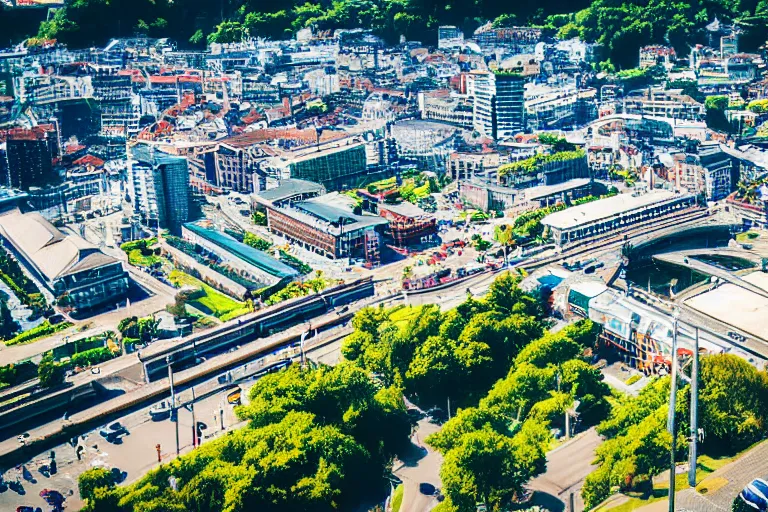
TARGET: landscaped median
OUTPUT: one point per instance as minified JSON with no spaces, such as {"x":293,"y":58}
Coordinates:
{"x":41,"y":331}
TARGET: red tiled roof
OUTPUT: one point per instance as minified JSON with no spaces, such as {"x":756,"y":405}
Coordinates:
{"x":90,"y":160}
{"x":73,"y":148}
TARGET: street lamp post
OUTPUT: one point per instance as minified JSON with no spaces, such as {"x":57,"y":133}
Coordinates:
{"x":694,"y":412}
{"x":671,"y":417}
{"x":174,"y":412}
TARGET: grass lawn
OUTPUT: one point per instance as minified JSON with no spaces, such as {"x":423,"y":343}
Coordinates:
{"x":747,"y":236}
{"x":706,"y":465}
{"x":137,"y":259}
{"x":213,"y":302}
{"x":397,"y":498}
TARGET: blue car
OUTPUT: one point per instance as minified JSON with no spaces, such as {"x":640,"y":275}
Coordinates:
{"x":756,"y":495}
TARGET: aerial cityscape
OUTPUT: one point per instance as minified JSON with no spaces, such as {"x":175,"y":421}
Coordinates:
{"x":383,"y":256}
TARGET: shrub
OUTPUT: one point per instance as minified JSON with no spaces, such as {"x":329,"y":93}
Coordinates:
{"x":41,"y":331}
{"x":129,"y":344}
{"x":597,"y":487}
{"x":397,"y":498}
{"x":93,"y":479}
{"x":50,"y":372}
{"x":91,"y":357}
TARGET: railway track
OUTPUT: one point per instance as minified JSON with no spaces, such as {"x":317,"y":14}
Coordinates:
{"x":615,"y":241}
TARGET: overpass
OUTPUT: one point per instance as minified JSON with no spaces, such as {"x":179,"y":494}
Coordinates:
{"x":687,"y":259}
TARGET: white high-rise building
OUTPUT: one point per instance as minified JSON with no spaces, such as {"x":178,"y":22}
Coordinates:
{"x":484,"y":92}
{"x":449,"y":37}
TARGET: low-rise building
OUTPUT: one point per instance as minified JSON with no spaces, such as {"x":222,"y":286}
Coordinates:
{"x":664,"y":103}
{"x":707,"y":173}
{"x":592,"y":220}
{"x":463,"y":166}
{"x":657,"y":55}
{"x":561,"y":108}
{"x":77,"y":273}
{"x":242,"y":258}
{"x":446,"y":109}
{"x":408,"y":223}
{"x":286,"y":193}
{"x":641,"y":335}
{"x":324,"y":228}
{"x":543,"y":169}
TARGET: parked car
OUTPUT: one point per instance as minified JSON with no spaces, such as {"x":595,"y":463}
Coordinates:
{"x":414,"y":414}
{"x":427,"y":489}
{"x":160,"y":411}
{"x":114,"y":432}
{"x":755,"y":494}
{"x":736,"y":336}
{"x":437,"y":415}
{"x":234,"y":397}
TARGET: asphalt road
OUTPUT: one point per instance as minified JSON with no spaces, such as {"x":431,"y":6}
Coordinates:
{"x":567,"y":467}
{"x":421,"y":465}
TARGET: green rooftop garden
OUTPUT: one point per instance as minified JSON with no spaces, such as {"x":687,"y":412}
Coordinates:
{"x":536,"y":163}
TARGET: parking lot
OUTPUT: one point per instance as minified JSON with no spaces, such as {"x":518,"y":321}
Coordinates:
{"x":132,"y":454}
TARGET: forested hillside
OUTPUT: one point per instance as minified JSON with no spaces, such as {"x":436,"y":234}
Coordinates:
{"x":621,"y":26}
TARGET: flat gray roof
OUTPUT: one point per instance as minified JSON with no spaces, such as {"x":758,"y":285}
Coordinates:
{"x":290,"y":188}
{"x":548,"y":190}
{"x":607,"y":208}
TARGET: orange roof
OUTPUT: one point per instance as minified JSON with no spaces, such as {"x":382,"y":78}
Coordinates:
{"x":90,"y":160}
{"x":73,"y":148}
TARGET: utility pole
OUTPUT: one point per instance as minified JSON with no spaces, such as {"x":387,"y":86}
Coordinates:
{"x":194,"y":423}
{"x":694,"y":412}
{"x":671,"y":418}
{"x":449,"y":408}
{"x":174,"y":412}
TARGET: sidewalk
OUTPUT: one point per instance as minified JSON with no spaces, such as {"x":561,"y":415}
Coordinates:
{"x":753,"y":464}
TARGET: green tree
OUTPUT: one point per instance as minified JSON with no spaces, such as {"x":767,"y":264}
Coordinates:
{"x":505,"y":20}
{"x":442,"y":366}
{"x":227,"y":32}
{"x":505,"y":295}
{"x":8,"y":326}
{"x":489,"y":467}
{"x":568,"y":31}
{"x":256,"y":242}
{"x":716,"y":107}
{"x":50,"y":372}
{"x":92,"y":479}
{"x":179,"y":307}
{"x":733,"y":402}
{"x":197,"y":38}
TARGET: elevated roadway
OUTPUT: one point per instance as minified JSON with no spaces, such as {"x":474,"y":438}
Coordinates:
{"x":688,"y":259}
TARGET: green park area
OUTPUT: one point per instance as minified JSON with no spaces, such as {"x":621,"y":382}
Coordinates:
{"x":207,"y":299}
{"x":141,"y":252}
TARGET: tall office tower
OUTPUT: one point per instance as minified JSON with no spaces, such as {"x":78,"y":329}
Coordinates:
{"x":510,"y":106}
{"x":30,"y":154}
{"x":483,"y":88}
{"x":158,"y":184}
